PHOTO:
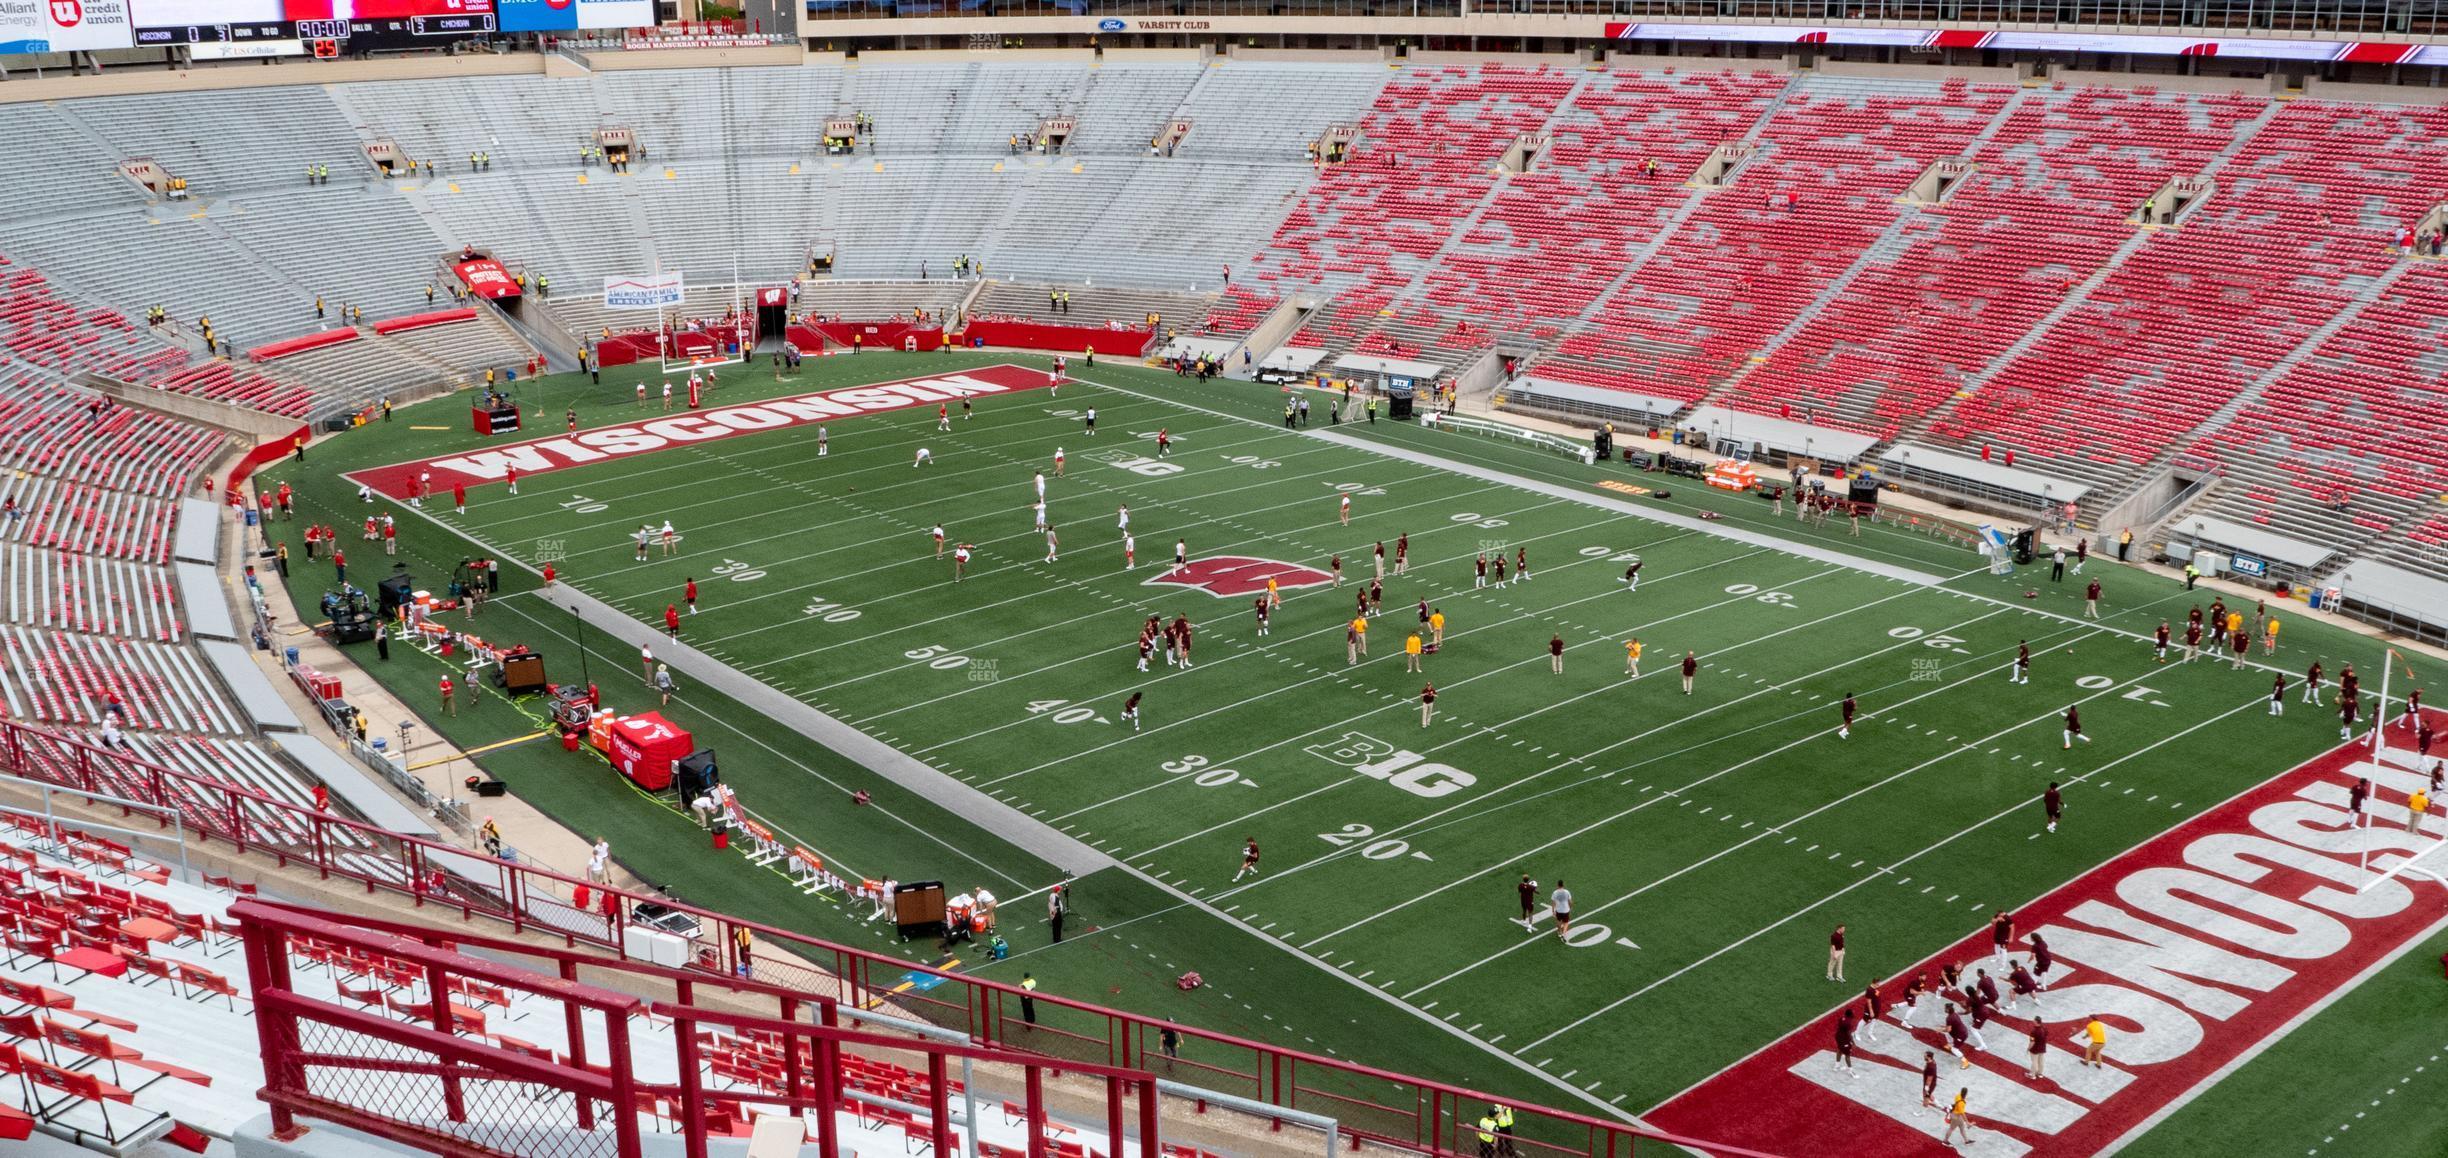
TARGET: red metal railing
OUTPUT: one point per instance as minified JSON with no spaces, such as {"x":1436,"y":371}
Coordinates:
{"x":1369,"y":1102}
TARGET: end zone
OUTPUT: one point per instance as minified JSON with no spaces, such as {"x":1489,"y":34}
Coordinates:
{"x":598,"y":444}
{"x":2197,"y":948}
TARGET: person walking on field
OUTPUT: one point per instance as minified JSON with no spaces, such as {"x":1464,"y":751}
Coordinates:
{"x":1959,"y":1119}
{"x":1428,"y":709}
{"x":1555,"y":654}
{"x":1561,"y":902}
{"x":1691,"y":667}
{"x":2091,"y":596}
{"x":1836,"y":952}
{"x":1529,"y":899}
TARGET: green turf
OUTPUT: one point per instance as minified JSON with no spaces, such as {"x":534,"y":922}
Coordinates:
{"x":1710,"y":840}
{"x":2363,"y":1077}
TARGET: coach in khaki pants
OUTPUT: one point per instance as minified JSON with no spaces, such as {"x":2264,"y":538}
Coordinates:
{"x":2416,"y":805}
{"x":1835,"y":969}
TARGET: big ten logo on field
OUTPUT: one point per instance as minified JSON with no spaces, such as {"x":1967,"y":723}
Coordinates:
{"x":1926,"y":670}
{"x":1138,"y":464}
{"x":551,"y":550}
{"x":1379,"y":760}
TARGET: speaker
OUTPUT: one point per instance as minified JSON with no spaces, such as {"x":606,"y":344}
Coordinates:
{"x":521,"y":674}
{"x":394,"y":592}
{"x":1863,"y":491}
{"x":696,"y":774}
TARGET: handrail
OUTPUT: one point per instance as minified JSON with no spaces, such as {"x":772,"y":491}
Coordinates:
{"x":1415,"y":1112}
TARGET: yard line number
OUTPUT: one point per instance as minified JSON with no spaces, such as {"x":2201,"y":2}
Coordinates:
{"x":1352,"y":835}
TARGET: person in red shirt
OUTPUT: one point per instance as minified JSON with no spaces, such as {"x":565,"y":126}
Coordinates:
{"x":548,"y":574}
{"x":690,"y":593}
{"x":671,"y":620}
{"x":513,"y":474}
{"x":339,"y":565}
{"x":450,"y":697}
{"x":390,"y":534}
{"x":459,"y":497}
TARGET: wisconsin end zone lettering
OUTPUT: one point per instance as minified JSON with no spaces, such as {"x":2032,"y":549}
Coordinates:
{"x":2194,"y":949}
{"x":550,"y":454}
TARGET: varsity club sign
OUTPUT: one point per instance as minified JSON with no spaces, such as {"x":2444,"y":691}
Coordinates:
{"x":2195,"y":949}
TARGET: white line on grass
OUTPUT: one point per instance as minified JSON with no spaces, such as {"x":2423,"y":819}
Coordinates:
{"x":1781,"y":826}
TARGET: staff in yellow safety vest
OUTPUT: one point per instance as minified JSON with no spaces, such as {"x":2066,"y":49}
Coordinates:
{"x":1503,"y":1116}
{"x":1487,"y":1137}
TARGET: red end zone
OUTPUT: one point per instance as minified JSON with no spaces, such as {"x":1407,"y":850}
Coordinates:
{"x":600,"y":444}
{"x":2194,"y":948}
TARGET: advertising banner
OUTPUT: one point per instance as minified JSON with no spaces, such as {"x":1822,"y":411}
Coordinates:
{"x":63,"y":25}
{"x":486,"y":278}
{"x":644,"y":292}
{"x":2265,"y":48}
{"x":537,"y":15}
{"x":615,"y":13}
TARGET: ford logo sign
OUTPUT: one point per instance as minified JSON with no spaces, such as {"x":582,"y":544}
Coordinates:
{"x":1111,"y":25}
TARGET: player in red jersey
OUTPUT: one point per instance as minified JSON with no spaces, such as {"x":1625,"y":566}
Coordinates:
{"x":2193,"y":634}
{"x":2349,"y":706}
{"x":1147,"y":646}
{"x":1249,"y":859}
{"x":2073,"y":726}
{"x":1181,"y":634}
{"x":1130,"y":711}
{"x":1500,"y":569}
{"x":1376,"y":595}
{"x":2161,"y":647}
{"x":1481,"y":579}
{"x":1335,"y":564}
{"x":1164,"y":442}
{"x":671,"y":620}
{"x":689,"y":592}
{"x":1844,"y":731}
{"x":2278,"y":695}
{"x":1402,"y":553}
{"x":1521,"y":564}
{"x":2020,"y":673}
{"x":1260,"y":604}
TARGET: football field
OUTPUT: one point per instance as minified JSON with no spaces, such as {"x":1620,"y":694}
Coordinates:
{"x":1710,"y":840}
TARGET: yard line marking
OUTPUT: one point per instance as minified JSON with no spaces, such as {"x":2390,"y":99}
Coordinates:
{"x":1372,"y":711}
{"x":1480,"y":805}
{"x":1740,"y":845}
{"x":2017,"y":807}
{"x":1470,"y":732}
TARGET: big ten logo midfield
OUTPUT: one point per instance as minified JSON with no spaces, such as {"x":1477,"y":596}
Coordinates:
{"x":1380,"y":760}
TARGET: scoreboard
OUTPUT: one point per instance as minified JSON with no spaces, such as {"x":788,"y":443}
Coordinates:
{"x":164,"y":22}
{"x":286,"y":27}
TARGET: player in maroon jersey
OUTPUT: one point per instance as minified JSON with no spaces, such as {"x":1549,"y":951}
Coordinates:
{"x":2193,"y":634}
{"x":2073,"y":726}
{"x":1249,"y":859}
{"x":1260,"y":605}
{"x":2162,"y":645}
{"x":2020,"y":673}
{"x":1845,"y":730}
{"x":1130,"y":711}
